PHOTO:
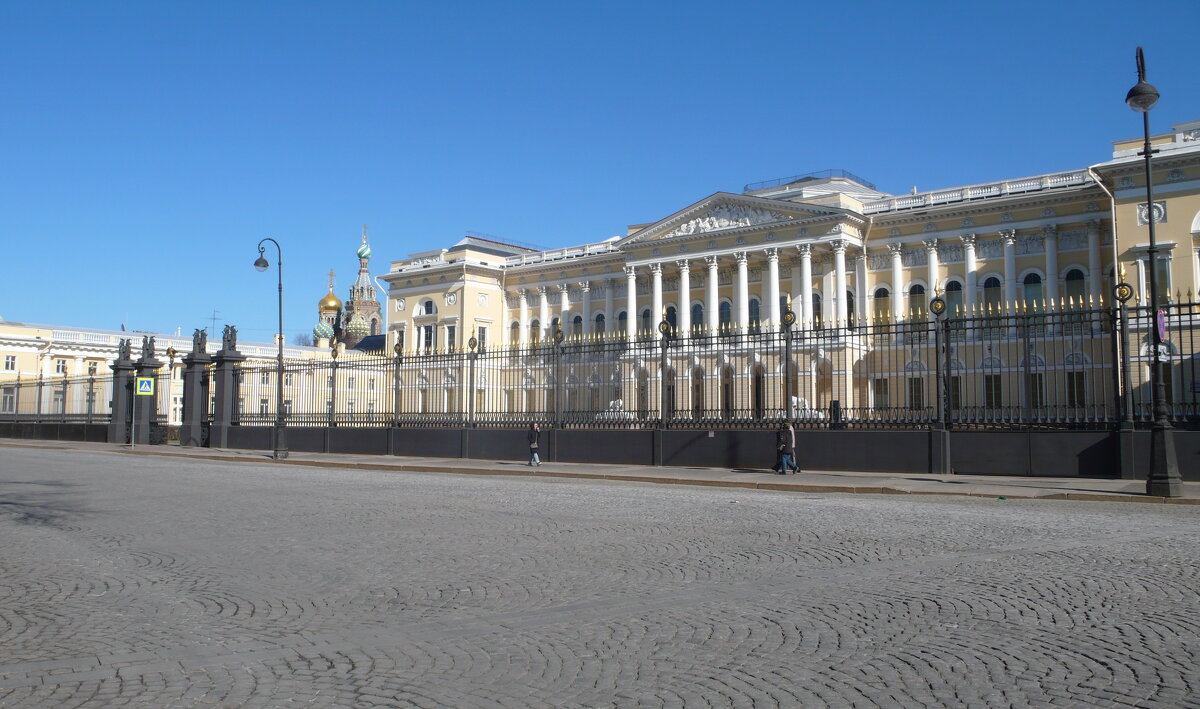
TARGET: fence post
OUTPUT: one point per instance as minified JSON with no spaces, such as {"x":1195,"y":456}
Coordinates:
{"x":38,"y":409}
{"x":558,"y":388}
{"x":63,"y":418}
{"x":331,"y":421}
{"x":195,"y":391}
{"x":396,"y":386}
{"x":472,"y":343}
{"x":90,"y":403}
{"x":122,"y":393}
{"x":145,"y":407}
{"x":227,"y":386}
{"x":939,"y":436}
{"x":1122,"y":389}
{"x":17,"y":399}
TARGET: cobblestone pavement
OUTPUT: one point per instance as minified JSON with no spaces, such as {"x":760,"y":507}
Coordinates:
{"x":145,"y":581}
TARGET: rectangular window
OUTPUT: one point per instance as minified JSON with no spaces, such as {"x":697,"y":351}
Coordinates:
{"x":262,"y":406}
{"x":993,"y":398}
{"x":241,"y":405}
{"x":955,"y":392}
{"x":400,"y":339}
{"x":450,"y":337}
{"x":350,"y":406}
{"x":370,"y":407}
{"x":60,"y":366}
{"x":1076,"y":395}
{"x":879,"y":391}
{"x":8,"y":400}
{"x":350,"y":383}
{"x":10,"y":362}
{"x":916,"y":393}
{"x":287,"y":380}
{"x":92,"y":367}
{"x":428,"y":344}
{"x":58,"y":402}
{"x":329,"y":381}
{"x":287,"y":407}
{"x":482,"y":337}
{"x":371,"y":384}
{"x":1164,"y":280}
{"x":265,"y":378}
{"x":329,"y":407}
{"x":1037,"y":390}
{"x":91,"y":402}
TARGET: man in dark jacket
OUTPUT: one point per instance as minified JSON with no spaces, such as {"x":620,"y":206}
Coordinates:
{"x":785,"y":449}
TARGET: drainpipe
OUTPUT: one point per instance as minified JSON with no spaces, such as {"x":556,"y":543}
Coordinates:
{"x":1112,"y":201}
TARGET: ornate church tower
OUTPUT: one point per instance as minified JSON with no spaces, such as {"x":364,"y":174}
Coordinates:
{"x":329,"y":311}
{"x":363,"y":314}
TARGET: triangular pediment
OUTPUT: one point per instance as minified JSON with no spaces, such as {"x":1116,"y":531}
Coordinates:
{"x":722,"y":212}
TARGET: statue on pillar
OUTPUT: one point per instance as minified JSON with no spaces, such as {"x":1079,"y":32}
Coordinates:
{"x":147,"y":348}
{"x":229,"y":338}
{"x":199,"y":341}
{"x":123,"y":349}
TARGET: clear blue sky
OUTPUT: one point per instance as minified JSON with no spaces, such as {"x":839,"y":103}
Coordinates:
{"x":148,"y":146}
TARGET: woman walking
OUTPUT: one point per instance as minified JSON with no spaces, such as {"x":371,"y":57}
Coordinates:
{"x":534,"y":433}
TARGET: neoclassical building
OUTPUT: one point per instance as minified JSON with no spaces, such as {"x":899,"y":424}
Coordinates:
{"x":838,"y":247}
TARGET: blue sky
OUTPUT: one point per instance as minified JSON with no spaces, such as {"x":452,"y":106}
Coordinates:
{"x":147,"y":147}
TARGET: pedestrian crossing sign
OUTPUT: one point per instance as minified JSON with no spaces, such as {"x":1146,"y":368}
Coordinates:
{"x":145,"y":386}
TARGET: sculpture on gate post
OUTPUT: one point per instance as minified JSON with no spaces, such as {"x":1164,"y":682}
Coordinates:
{"x":123,"y":350}
{"x":147,"y":348}
{"x":199,"y":340}
{"x":229,"y":338}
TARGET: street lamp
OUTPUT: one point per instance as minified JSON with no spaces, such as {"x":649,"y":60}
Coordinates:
{"x":261,"y":265}
{"x":1164,"y":480}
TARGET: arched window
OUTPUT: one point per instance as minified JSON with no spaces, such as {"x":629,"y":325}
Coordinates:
{"x":1032,"y":291}
{"x":697,"y":318}
{"x":992,"y":294}
{"x":600,"y":323}
{"x":725,"y":313}
{"x":758,"y":393}
{"x":727,"y":392}
{"x":816,"y":311}
{"x":535,"y":331}
{"x":883,"y":303}
{"x":555,"y":326}
{"x":668,"y":394}
{"x":672,"y":317}
{"x":646,"y":325}
{"x":755,"y":315}
{"x":954,"y":299}
{"x":697,"y":393}
{"x":1075,"y":287}
{"x":850,"y":308}
{"x":577,"y":326}
{"x":427,"y":308}
{"x":916,"y":302}
{"x":514,"y":333}
{"x":623,"y":322}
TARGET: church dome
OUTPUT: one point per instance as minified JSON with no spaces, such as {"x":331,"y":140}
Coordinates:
{"x":358,"y":327}
{"x":330,"y":302}
{"x":323,"y":331}
{"x":364,"y":251}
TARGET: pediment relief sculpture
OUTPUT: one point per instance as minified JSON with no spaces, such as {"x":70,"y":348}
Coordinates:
{"x":728,"y":216}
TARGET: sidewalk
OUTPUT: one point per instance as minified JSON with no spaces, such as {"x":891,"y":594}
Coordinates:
{"x":1094,"y":489}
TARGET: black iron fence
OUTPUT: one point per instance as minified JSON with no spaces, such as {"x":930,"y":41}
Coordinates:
{"x":63,"y":399}
{"x":1078,"y":368}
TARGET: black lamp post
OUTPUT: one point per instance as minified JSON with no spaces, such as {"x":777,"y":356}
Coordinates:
{"x":262,"y":265}
{"x":1164,"y":480}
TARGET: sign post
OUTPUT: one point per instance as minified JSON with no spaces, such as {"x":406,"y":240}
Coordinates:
{"x":144,"y":386}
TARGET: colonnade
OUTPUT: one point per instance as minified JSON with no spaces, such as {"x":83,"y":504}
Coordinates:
{"x":555,"y":300}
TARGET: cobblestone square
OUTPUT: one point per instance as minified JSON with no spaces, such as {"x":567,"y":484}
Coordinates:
{"x":160,"y":582}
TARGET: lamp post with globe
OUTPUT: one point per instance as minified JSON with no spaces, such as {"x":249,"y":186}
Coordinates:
{"x":261,"y":265}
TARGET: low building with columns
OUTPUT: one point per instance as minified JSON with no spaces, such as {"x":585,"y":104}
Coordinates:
{"x":833,"y":247}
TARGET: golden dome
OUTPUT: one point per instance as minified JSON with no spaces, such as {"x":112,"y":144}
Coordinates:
{"x":330,"y":302}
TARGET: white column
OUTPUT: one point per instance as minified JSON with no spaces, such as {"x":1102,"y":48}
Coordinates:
{"x":860,"y":288}
{"x":656,"y":303}
{"x":585,"y":292}
{"x":775,"y":314}
{"x":1095,"y":280}
{"x":610,"y":317}
{"x":899,"y":294}
{"x":631,"y":303}
{"x":743,"y":293}
{"x":1009,"y":237}
{"x":544,"y":312}
{"x":712,"y":303}
{"x":931,"y":256}
{"x":564,"y":302}
{"x":795,"y":284}
{"x":806,"y":294}
{"x":684,"y":319}
{"x":972,"y":273}
{"x":523,"y":317}
{"x":1050,"y":239}
{"x":839,"y":280}
{"x":1143,"y":298}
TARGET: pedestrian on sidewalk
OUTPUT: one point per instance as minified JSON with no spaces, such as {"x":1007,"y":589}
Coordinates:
{"x":785,"y":448}
{"x":533,"y":436}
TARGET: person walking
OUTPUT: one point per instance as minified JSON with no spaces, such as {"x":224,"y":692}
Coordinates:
{"x":534,"y":433}
{"x":785,"y":449}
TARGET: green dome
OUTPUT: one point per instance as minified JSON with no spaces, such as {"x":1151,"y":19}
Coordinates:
{"x":364,"y":251}
{"x":322,"y":331}
{"x":358,"y":327}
